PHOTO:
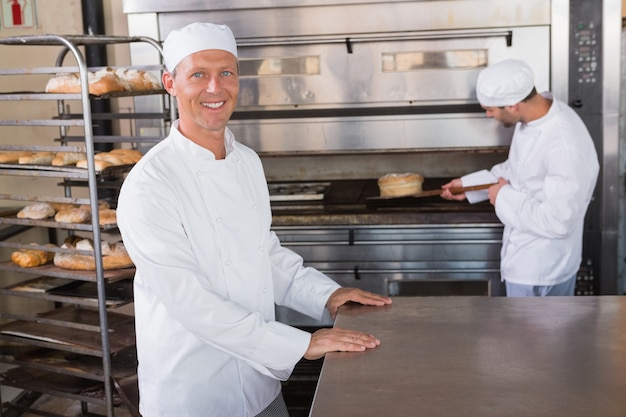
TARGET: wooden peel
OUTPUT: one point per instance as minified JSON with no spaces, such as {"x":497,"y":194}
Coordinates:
{"x":436,"y":192}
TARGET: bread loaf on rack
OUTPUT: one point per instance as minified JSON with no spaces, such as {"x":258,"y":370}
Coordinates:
{"x":99,"y":165}
{"x":116,"y":157}
{"x":30,"y":258}
{"x":131,"y":153}
{"x":42,"y":157}
{"x":136,"y":80}
{"x":100,"y":82}
{"x":67,"y":158}
{"x":7,"y":157}
{"x":106,"y":215}
{"x":102,"y":205}
{"x":37,"y":158}
{"x":120,"y":156}
{"x":36,"y":211}
{"x":62,"y":206}
{"x":106,"y":80}
{"x":73,"y":215}
{"x":114,"y":255}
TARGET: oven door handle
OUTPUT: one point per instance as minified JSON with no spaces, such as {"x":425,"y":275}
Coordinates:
{"x":409,"y":36}
{"x":357,"y":275}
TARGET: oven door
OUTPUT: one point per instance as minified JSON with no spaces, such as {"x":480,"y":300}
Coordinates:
{"x":400,"y":260}
{"x":415,"y":92}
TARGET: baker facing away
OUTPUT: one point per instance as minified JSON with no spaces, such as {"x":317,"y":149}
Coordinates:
{"x":544,"y":187}
{"x":195,"y":216}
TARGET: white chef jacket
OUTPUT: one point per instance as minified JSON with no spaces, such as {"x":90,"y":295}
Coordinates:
{"x":552,"y":168}
{"x":209,"y":272}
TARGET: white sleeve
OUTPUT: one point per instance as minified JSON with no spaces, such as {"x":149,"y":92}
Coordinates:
{"x":565,"y":195}
{"x":301,"y":288}
{"x":477,"y":178}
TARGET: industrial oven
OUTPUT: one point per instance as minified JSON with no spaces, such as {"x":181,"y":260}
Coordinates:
{"x":335,"y":93}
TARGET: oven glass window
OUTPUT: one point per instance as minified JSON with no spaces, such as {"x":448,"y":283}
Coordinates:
{"x":421,"y":60}
{"x":303,"y":65}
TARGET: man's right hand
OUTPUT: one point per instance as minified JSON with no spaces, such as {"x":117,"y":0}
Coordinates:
{"x":446,"y":194}
{"x":338,"y":340}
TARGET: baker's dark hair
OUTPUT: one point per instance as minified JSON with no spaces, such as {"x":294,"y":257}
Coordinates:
{"x":530,"y":95}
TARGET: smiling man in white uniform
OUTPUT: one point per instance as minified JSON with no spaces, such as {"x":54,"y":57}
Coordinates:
{"x":195,"y":217}
{"x":544,"y":187}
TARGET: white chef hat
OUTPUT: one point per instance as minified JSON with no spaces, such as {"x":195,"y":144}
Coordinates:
{"x":505,"y":83}
{"x":196,"y":37}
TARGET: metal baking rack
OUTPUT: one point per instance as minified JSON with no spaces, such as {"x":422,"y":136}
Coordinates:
{"x":85,"y":329}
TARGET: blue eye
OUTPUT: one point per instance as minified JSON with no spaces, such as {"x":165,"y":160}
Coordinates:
{"x":227,"y":73}
{"x":197,"y":74}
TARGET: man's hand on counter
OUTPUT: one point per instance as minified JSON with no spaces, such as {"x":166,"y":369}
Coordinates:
{"x":355,"y":295}
{"x":341,"y":340}
{"x":338,"y":340}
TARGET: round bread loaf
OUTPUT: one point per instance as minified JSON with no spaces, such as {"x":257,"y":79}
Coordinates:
{"x":62,"y":206}
{"x":36,"y":211}
{"x":400,"y":185}
{"x":73,"y":215}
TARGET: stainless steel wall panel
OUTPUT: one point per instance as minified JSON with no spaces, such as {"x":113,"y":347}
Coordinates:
{"x":560,"y":52}
{"x":610,"y":280}
{"x":292,"y":18}
{"x":621,"y":191}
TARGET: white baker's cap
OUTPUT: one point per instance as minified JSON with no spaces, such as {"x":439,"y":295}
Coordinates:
{"x":197,"y":37}
{"x":505,"y":83}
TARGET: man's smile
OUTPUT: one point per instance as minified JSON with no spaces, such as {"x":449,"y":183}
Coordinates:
{"x":213,"y":105}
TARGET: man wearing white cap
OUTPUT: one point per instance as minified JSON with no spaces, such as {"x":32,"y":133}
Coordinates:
{"x":195,"y":217}
{"x":542,"y":190}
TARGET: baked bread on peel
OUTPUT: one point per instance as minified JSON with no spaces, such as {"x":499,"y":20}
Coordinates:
{"x":400,"y":185}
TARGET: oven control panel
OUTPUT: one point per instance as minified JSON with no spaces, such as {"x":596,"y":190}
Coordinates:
{"x":585,"y":73}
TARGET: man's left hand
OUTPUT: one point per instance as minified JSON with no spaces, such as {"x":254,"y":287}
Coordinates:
{"x":356,"y":295}
{"x":495,"y":189}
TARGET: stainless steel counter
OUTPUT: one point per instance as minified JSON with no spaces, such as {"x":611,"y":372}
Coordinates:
{"x":482,"y":357}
